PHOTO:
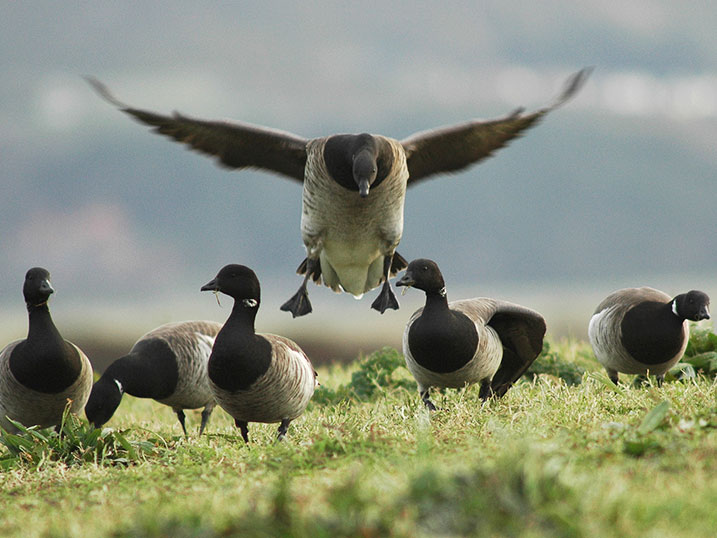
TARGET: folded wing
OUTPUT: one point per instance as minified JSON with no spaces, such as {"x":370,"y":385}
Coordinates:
{"x":521,"y":332}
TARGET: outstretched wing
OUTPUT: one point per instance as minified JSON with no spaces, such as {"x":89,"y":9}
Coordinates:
{"x":521,"y":332}
{"x":235,"y":145}
{"x":452,"y":148}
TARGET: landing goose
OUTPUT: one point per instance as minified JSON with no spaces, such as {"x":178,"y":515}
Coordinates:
{"x":168,"y":364}
{"x":255,"y":377}
{"x":643,"y":330}
{"x":40,"y":374}
{"x":354,"y":185}
{"x":455,"y":344}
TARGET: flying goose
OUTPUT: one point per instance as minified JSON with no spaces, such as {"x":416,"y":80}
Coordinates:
{"x":455,"y":344}
{"x":40,"y":374}
{"x":255,"y":377}
{"x":354,"y":185}
{"x":168,"y":364}
{"x":643,"y":330}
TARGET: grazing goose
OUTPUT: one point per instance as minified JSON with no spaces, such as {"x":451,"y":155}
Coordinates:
{"x":468,"y":341}
{"x":643,"y":330}
{"x":354,"y":184}
{"x":40,"y":374}
{"x":255,"y":377}
{"x":168,"y":364}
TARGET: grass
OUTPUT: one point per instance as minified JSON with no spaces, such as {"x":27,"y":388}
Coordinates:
{"x":555,"y":457}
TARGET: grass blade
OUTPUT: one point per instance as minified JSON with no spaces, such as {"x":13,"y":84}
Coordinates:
{"x":654,"y":417}
{"x":607,"y":382}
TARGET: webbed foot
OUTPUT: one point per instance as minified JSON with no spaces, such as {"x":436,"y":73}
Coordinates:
{"x":386,"y":299}
{"x":299,"y":304}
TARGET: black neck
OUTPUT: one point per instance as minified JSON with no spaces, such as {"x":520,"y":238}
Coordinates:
{"x":436,"y":301}
{"x":239,"y":356}
{"x":242,"y":319}
{"x":442,"y":340}
{"x":651,"y":332}
{"x":149,"y":371}
{"x":41,"y":328}
{"x":44,"y":361}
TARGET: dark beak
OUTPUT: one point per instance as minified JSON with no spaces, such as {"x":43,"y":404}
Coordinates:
{"x":210,"y":286}
{"x":46,"y":287}
{"x":406,"y":280}
{"x":704,"y":313}
{"x":364,"y":187}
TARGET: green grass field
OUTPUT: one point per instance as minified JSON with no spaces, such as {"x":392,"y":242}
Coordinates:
{"x":562,"y":454}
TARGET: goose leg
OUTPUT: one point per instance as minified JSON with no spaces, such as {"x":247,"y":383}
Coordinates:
{"x":299,"y":304}
{"x":659,"y":379}
{"x":243,"y":428}
{"x":386,"y":298}
{"x":426,"y":400}
{"x":283,"y":427}
{"x":486,"y":390}
{"x":612,"y":374}
{"x":180,"y":416}
{"x":640,"y":380}
{"x":205,"y":416}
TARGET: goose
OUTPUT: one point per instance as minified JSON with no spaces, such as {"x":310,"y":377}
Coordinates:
{"x":40,"y":374}
{"x":458,"y":343}
{"x":354,"y":185}
{"x":255,"y":377}
{"x":168,"y":364}
{"x":643,"y":330}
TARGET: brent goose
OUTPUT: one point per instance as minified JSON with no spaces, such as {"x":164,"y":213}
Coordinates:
{"x":255,"y":377}
{"x":168,"y":364}
{"x":350,"y":235}
{"x":643,"y":330}
{"x":40,"y":374}
{"x":468,"y":341}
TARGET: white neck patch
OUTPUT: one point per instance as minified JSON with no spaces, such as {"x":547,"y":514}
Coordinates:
{"x":674,"y":308}
{"x":249,"y":303}
{"x":442,"y":291}
{"x":119,"y":385}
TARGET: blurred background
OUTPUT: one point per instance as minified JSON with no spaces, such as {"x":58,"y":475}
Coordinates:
{"x":616,"y":188}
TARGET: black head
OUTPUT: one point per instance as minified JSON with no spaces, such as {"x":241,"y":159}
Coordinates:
{"x":239,"y":282}
{"x":357,"y":162}
{"x":104,"y":400}
{"x":425,"y":275}
{"x":693,"y":305}
{"x":37,"y":288}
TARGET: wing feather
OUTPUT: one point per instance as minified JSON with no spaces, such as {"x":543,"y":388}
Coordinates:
{"x":453,"y":148}
{"x":234,"y":144}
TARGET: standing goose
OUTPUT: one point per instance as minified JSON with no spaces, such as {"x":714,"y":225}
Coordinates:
{"x":40,"y":374}
{"x":255,"y":377}
{"x":354,"y":184}
{"x":469,"y":341}
{"x":168,"y":364}
{"x":643,"y":330}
